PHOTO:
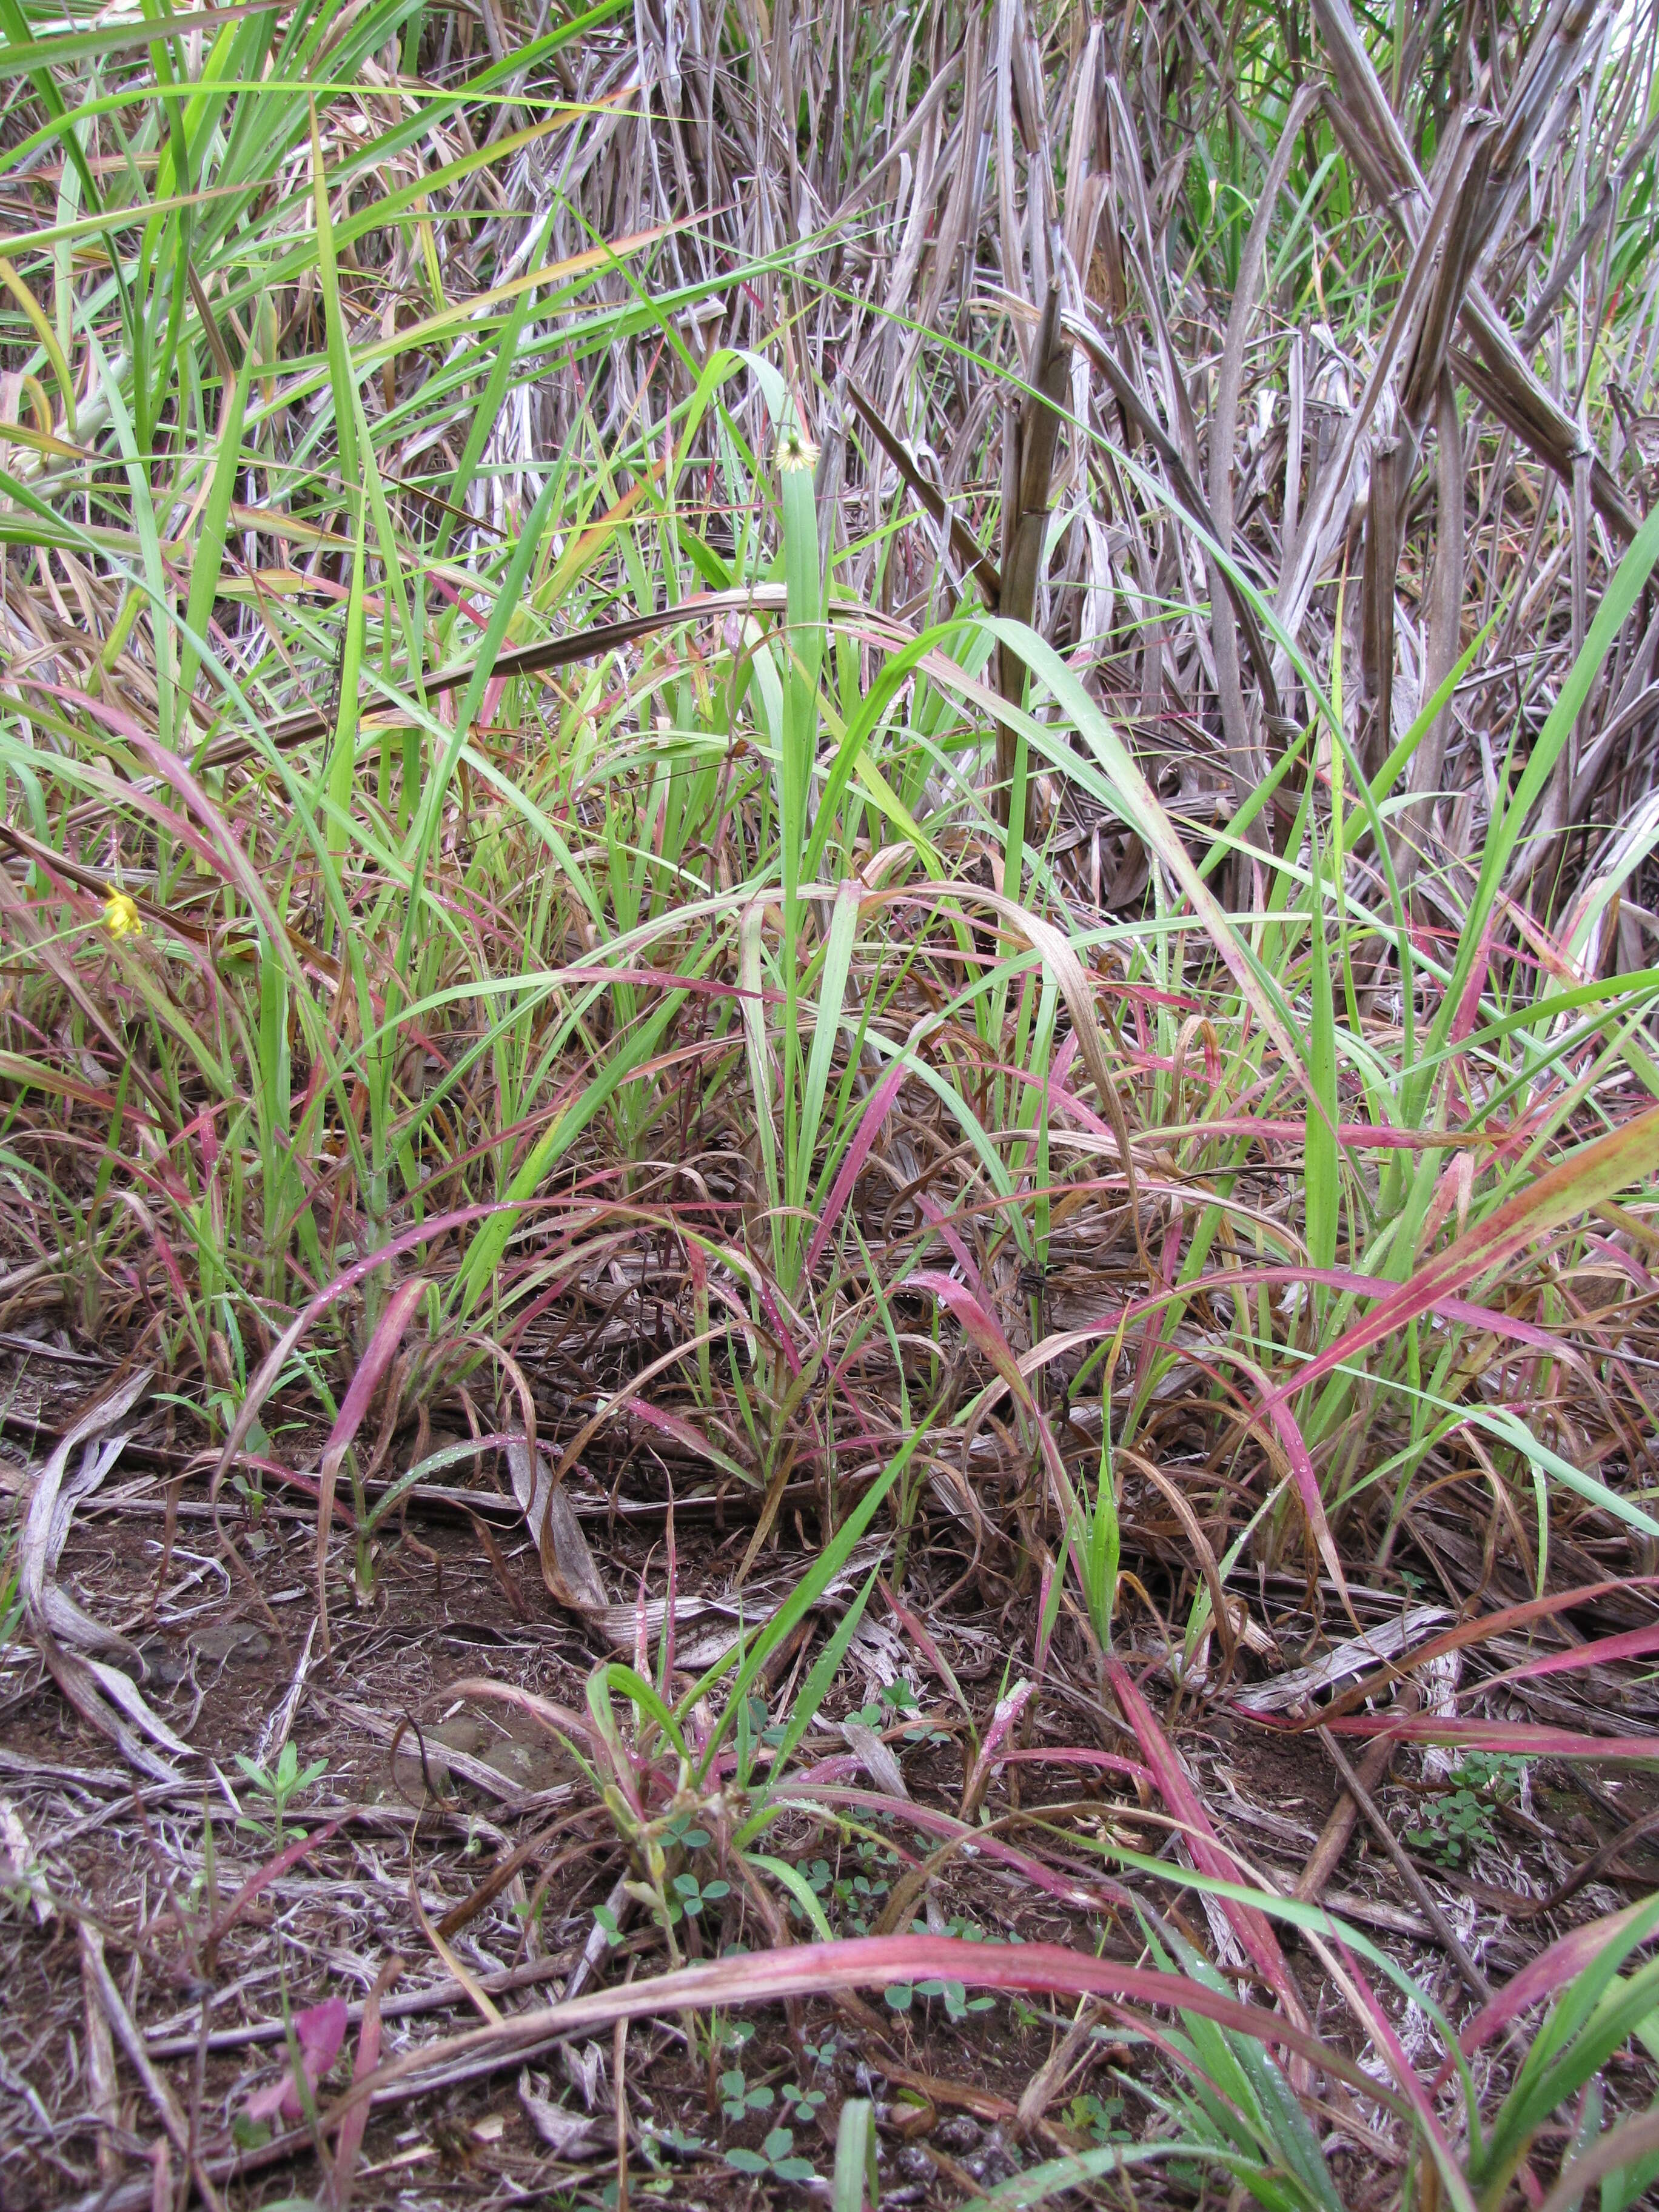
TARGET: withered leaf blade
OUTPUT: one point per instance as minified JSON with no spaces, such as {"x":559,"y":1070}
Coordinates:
{"x":67,"y":1637}
{"x":51,"y":1502}
{"x":568,"y":2135}
{"x":567,"y":1566}
{"x":877,"y":1757}
{"x":485,"y":1536}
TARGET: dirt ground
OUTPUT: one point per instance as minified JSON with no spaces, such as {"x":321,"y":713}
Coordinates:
{"x":459,"y":1837}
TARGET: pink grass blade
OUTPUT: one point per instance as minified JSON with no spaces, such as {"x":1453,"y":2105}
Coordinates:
{"x":978,"y":1779}
{"x":1074,"y":1754}
{"x":371,"y":1372}
{"x":1252,"y":1928}
{"x":920,"y":1636}
{"x":1511,"y":1738}
{"x":981,"y":1326}
{"x":318,"y":2032}
{"x":867,"y":1962}
{"x":273,"y":1870}
{"x":689,"y":1437}
{"x":350,"y":2147}
{"x":936,"y":1218}
{"x":1094,"y":1894}
{"x":1595,"y":1171}
{"x":1304,"y":1475}
{"x":1634,"y":1643}
{"x":869,"y":1129}
{"x":1552,"y":1970}
{"x":1511,"y":1618}
{"x":1412,"y":2090}
{"x":306,"y":1320}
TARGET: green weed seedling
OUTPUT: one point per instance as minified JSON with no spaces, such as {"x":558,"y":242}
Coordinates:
{"x":661,"y":2148}
{"x":691,"y":1896}
{"x":279,"y":1788}
{"x":658,"y":2139}
{"x":860,"y":1895}
{"x":896,"y":1701}
{"x":901,"y":1996}
{"x":654,"y":2184}
{"x":738,"y":2100}
{"x":1101,"y":2117}
{"x":775,"y":2157}
{"x":605,"y":1920}
{"x":248,"y":1488}
{"x":1460,"y":1823}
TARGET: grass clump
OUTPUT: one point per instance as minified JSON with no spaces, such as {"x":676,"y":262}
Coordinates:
{"x":886,"y":778}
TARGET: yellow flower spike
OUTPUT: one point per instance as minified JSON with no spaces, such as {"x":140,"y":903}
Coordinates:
{"x":796,"y":451}
{"x":121,"y":915}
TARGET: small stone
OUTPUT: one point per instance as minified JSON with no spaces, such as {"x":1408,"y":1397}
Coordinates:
{"x":165,"y":1665}
{"x":958,"y":2135}
{"x":237,"y":1642}
{"x":462,"y":1732}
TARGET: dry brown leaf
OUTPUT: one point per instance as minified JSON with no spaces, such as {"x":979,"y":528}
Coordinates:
{"x":569,"y":2136}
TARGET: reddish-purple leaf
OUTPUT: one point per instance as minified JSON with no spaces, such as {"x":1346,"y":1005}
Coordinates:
{"x":1090,"y":1894}
{"x":981,"y":1327}
{"x":685,"y":1433}
{"x":1513,"y":1738}
{"x":1058,"y":1091}
{"x":1541,"y":1977}
{"x":273,"y":1870}
{"x":320,"y":2033}
{"x":1464,"y":1311}
{"x":858,"y":1151}
{"x":346,"y":1281}
{"x":1008,"y":1710}
{"x":1382,"y":2033}
{"x":919,"y":1633}
{"x":1102,"y":1762}
{"x":781,"y":1327}
{"x":1626,"y":1262}
{"x":1468,"y":1007}
{"x":875,"y":1961}
{"x":1304,"y":1476}
{"x":1511,"y":1618}
{"x":936,"y":1218}
{"x":388,"y":1335}
{"x":371,"y":1371}
{"x":1252,"y":1927}
{"x":1634,"y":1643}
{"x":351,"y":2143}
{"x":1595,"y":1171}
